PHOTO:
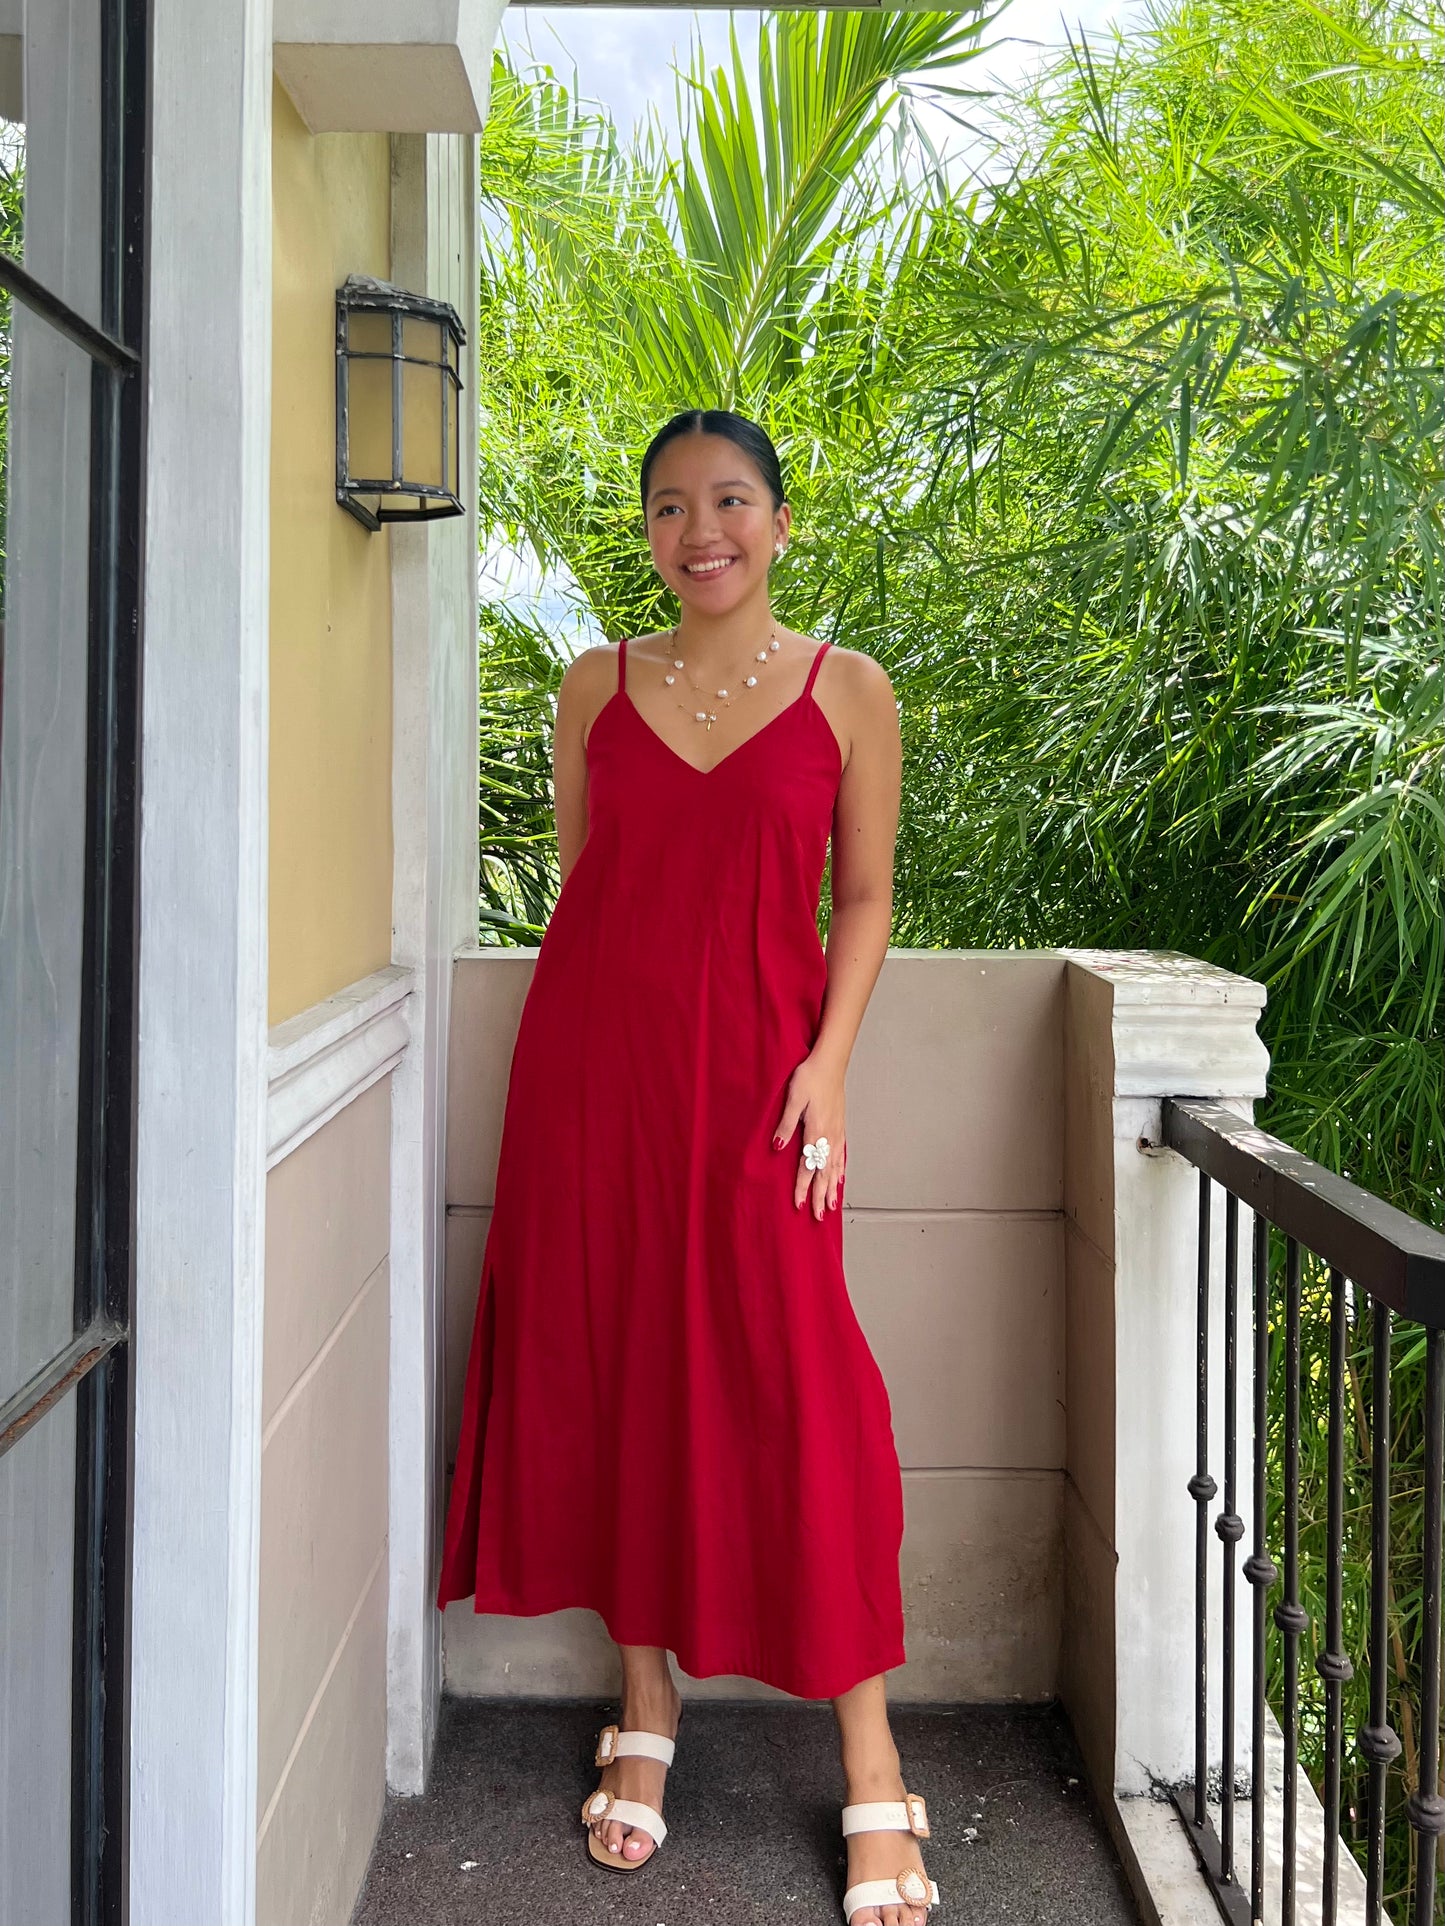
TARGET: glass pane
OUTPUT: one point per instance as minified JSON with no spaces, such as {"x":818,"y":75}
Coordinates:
{"x":454,"y":403}
{"x":421,"y":417}
{"x":369,"y":420}
{"x":421,"y":340}
{"x":456,"y":395}
{"x":50,"y":80}
{"x":37,"y":1543}
{"x":368,"y":332}
{"x":45,"y":519}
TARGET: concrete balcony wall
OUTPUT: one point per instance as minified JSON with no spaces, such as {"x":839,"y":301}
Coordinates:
{"x":955,"y":1246}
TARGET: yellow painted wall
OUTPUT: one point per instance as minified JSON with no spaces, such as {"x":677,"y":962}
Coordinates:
{"x":330,"y":920}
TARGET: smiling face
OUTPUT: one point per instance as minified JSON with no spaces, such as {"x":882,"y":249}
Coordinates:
{"x":711,"y":523}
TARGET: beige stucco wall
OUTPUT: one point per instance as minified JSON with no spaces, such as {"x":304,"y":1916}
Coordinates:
{"x":955,"y":1243}
{"x":321,"y":1768}
{"x":330,"y":714}
{"x":321,"y":1775}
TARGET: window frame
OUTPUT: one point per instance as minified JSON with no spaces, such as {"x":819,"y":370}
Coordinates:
{"x":97,"y":1362}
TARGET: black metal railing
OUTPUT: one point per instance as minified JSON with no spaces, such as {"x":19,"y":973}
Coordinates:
{"x":1369,"y":1265}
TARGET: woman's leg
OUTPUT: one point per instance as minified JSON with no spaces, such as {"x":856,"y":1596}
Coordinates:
{"x":650,"y":1703}
{"x":871,"y":1770}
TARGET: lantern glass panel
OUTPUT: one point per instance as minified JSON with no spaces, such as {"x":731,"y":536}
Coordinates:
{"x":368,"y":332}
{"x":454,"y":403}
{"x":421,"y":415}
{"x":421,"y":338}
{"x":369,"y":420}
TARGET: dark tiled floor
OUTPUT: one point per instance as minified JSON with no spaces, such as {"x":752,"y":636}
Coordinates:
{"x":498,"y":1842}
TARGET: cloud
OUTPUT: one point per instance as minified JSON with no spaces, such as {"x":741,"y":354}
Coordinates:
{"x":623,"y":58}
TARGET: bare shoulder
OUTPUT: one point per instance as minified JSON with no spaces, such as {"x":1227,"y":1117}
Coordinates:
{"x":590,"y":665}
{"x":858,"y":678}
{"x":654,"y":646}
{"x":593,"y":669}
{"x":856,"y":696}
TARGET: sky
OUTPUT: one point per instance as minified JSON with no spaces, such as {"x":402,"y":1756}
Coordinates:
{"x":624,"y":55}
{"x":623,"y":58}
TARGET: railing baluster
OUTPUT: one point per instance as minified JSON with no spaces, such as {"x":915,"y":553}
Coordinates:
{"x":1333,"y":1664}
{"x":1259,"y":1568}
{"x":1289,"y":1615}
{"x":1202,"y":1489}
{"x":1230,"y":1527}
{"x":1425,"y":1807}
{"x":1379,"y":1741}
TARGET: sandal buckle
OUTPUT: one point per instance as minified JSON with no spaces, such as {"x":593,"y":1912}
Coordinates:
{"x":912,"y":1887}
{"x":606,"y":1745}
{"x":917,"y":1815}
{"x":596,"y":1806}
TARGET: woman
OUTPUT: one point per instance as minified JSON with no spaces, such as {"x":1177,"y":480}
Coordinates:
{"x":671,"y":1413}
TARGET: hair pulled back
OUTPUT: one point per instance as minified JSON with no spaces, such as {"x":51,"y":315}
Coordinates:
{"x":744,"y":434}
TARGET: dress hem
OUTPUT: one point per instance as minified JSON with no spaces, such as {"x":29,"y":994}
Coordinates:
{"x":748,"y":1670}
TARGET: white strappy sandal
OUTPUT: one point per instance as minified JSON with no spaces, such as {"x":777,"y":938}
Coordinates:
{"x":601,"y":1805}
{"x":911,"y":1887}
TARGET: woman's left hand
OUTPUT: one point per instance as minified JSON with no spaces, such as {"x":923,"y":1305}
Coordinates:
{"x":815,"y":1098}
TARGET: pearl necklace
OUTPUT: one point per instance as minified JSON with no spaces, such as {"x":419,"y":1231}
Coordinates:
{"x":709,"y":716}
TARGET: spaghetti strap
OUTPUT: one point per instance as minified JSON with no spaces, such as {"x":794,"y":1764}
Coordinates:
{"x":808,"y":685}
{"x":621,"y":666}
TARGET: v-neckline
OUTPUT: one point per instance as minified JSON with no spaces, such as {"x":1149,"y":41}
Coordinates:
{"x":806,"y":695}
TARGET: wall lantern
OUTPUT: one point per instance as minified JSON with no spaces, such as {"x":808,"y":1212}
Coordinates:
{"x":398,"y":384}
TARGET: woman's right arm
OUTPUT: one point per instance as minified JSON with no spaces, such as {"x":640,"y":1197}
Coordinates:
{"x":588,"y":682}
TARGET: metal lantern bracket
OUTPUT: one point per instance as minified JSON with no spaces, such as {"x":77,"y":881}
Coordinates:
{"x":361,"y":294}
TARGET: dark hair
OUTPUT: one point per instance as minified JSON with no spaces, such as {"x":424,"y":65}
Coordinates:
{"x":737,"y":429}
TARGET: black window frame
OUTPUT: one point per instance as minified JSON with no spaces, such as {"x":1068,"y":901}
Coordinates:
{"x":97,"y":1363}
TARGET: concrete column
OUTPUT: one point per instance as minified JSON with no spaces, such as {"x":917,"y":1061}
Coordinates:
{"x":201,"y":1151}
{"x":1140,"y":1026}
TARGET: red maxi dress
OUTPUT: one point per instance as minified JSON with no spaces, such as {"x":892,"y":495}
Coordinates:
{"x":672,"y":1415}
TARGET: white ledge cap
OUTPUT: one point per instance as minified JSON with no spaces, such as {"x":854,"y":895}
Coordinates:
{"x":1181,"y":1027}
{"x":405,"y":67}
{"x":1168,"y":976}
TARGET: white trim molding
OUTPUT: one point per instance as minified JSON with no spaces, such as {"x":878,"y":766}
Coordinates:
{"x":322,"y":1060}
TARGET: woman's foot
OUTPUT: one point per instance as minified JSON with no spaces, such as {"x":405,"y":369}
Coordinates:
{"x":656,"y":1707}
{"x":881,"y":1855}
{"x":872,"y":1772}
